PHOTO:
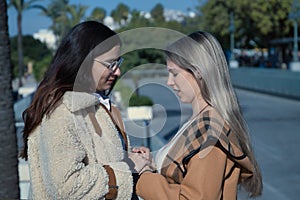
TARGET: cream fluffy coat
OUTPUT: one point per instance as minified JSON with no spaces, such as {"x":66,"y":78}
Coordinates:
{"x":60,"y":145}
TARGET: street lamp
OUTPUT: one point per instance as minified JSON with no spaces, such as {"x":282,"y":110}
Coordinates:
{"x":232,"y":62}
{"x":231,"y":30}
{"x":294,"y":15}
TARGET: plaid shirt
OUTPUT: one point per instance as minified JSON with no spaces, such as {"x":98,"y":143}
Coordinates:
{"x":208,"y":129}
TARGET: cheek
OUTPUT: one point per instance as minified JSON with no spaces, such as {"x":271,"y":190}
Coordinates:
{"x":99,"y":76}
{"x":190,"y":88}
{"x":183,"y":82}
{"x":95,"y":76}
{"x":102,"y":79}
{"x":97,"y":73}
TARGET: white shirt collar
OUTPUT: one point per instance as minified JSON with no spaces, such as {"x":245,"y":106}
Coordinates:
{"x":103,"y":100}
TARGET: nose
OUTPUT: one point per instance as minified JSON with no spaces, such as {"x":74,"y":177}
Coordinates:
{"x":117,"y":72}
{"x":170,"y":81}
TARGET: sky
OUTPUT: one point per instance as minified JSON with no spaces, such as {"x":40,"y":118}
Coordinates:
{"x":33,"y":21}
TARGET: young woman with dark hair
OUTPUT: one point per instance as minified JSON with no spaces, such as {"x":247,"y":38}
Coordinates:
{"x":74,"y":138}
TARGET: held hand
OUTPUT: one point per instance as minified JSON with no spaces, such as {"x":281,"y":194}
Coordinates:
{"x":148,"y":169}
{"x":151,"y":167}
{"x":144,"y":151}
{"x":139,"y":161}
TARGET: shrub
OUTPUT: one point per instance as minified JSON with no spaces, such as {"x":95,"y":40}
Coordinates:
{"x":140,"y":100}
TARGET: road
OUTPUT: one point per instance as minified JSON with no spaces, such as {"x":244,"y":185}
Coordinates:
{"x":274,"y":125}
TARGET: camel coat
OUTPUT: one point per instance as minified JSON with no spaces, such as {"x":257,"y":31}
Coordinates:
{"x":67,"y":152}
{"x":205,"y":163}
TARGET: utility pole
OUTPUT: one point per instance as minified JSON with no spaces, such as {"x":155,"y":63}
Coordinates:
{"x":231,"y":30}
{"x":232,"y":62}
{"x":295,"y":53}
{"x":294,"y":15}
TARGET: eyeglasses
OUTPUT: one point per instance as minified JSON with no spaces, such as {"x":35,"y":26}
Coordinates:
{"x":112,"y":66}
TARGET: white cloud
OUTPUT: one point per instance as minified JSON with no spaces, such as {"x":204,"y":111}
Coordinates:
{"x":175,"y":15}
{"x":46,"y":36}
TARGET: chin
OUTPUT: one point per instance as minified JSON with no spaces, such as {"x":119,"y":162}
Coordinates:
{"x":184,"y":100}
{"x":104,"y":87}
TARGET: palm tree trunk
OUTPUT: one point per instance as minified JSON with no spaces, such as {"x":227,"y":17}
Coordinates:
{"x":9,"y":184}
{"x":20,"y":49}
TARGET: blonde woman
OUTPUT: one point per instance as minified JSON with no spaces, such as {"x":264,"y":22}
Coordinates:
{"x":211,"y":154}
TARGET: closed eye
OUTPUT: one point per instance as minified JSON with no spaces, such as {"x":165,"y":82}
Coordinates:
{"x":171,"y":71}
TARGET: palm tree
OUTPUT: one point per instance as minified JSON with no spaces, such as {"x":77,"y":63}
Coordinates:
{"x":63,"y":16}
{"x":9,"y":184}
{"x":54,"y":11}
{"x":98,"y":14}
{"x":76,"y":14}
{"x":157,"y":13}
{"x":121,"y":13}
{"x":20,"y":6}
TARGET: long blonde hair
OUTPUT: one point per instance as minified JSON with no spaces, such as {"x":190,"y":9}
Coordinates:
{"x":202,"y":55}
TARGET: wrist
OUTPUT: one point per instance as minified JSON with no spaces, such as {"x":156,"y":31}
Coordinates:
{"x":131,"y":165}
{"x":148,"y":170}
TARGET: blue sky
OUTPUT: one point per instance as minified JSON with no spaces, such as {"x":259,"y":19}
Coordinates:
{"x":33,"y":20}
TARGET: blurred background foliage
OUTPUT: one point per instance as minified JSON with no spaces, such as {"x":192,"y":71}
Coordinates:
{"x":256,"y":23}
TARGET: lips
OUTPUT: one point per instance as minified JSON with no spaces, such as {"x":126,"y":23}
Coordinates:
{"x":110,"y":80}
{"x":175,"y":90}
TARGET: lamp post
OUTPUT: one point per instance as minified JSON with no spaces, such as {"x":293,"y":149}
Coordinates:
{"x":295,"y":52}
{"x":294,"y":15}
{"x":232,"y":62}
{"x":231,"y":30}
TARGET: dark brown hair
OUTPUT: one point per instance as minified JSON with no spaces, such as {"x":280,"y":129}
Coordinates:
{"x":87,"y":39}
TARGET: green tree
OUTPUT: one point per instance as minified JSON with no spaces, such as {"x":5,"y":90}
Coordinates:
{"x":140,"y":57}
{"x":40,"y":67}
{"x":74,"y":14}
{"x":259,"y":21}
{"x":98,"y":14}
{"x":188,"y":25}
{"x":157,"y":13}
{"x":271,"y":19}
{"x":137,"y":20}
{"x":63,"y":16}
{"x":140,"y":100}
{"x":20,"y":6}
{"x":9,"y":184}
{"x":34,"y":51}
{"x":54,"y":11}
{"x":121,"y":13}
{"x":144,"y":56}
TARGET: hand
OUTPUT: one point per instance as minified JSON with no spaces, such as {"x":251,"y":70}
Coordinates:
{"x":149,"y":168}
{"x":139,"y":161}
{"x":144,"y":151}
